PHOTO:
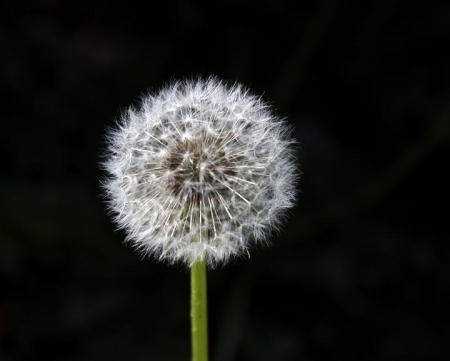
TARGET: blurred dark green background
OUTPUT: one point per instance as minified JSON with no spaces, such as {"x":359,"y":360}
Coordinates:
{"x":361,"y":271}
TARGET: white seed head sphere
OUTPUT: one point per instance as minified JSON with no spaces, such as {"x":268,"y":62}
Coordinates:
{"x":201,"y":171}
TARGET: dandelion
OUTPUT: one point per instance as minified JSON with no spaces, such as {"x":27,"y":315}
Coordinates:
{"x":199,"y":172}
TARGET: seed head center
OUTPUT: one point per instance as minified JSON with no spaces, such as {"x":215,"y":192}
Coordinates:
{"x":197,"y":168}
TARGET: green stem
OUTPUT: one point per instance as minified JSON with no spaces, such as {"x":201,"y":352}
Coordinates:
{"x":199,"y":314}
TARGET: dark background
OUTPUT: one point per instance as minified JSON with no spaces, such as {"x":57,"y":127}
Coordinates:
{"x":361,"y":271}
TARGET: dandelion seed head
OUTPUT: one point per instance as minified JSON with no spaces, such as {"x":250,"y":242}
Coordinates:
{"x":200,"y":171}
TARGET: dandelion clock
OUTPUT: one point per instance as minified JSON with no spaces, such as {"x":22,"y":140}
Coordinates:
{"x":198,"y":174}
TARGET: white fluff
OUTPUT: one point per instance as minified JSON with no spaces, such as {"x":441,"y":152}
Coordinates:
{"x":199,"y":172}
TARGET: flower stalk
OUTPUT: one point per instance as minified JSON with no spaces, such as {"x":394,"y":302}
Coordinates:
{"x":199,"y":312}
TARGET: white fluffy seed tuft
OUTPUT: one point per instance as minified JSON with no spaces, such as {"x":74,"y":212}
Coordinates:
{"x":199,"y":172}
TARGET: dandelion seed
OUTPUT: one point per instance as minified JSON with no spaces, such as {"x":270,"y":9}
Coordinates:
{"x":200,"y":172}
